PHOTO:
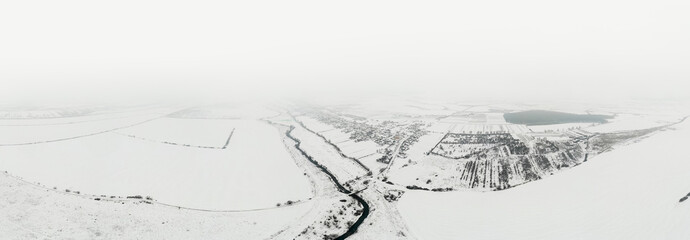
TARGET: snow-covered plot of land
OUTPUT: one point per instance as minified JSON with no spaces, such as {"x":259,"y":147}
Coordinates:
{"x":349,"y":147}
{"x":184,"y":131}
{"x":384,"y":220}
{"x":383,"y":108}
{"x":335,"y":165}
{"x":418,"y":163}
{"x":343,"y":168}
{"x":60,"y":117}
{"x":495,"y":118}
{"x":415,"y":171}
{"x":48,"y":130}
{"x":425,"y":144}
{"x":316,"y":125}
{"x":441,"y":127}
{"x":67,"y":113}
{"x":626,"y":122}
{"x":359,"y":149}
{"x":560,"y":127}
{"x":28,"y":211}
{"x":226,"y":111}
{"x":255,"y":171}
{"x":630,"y":193}
{"x":487,"y":128}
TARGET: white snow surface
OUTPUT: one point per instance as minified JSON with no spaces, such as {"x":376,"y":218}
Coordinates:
{"x":255,"y":171}
{"x":28,"y":211}
{"x":632,"y":192}
{"x":627,"y":122}
{"x":559,"y":127}
{"x":47,"y":130}
{"x":196,"y":132}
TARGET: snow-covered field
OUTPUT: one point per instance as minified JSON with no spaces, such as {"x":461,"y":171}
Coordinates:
{"x":560,"y":127}
{"x":630,"y":193}
{"x":344,"y":169}
{"x":247,"y":172}
{"x":365,"y":151}
{"x":255,"y":171}
{"x":184,"y":131}
{"x":625,"y":122}
{"x":28,"y":211}
{"x":51,"y":130}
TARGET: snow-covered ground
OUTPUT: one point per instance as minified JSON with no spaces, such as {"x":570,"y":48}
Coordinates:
{"x":51,"y":130}
{"x":233,"y":172}
{"x":630,"y":193}
{"x":365,"y":151}
{"x":28,"y":211}
{"x":560,"y":127}
{"x":226,"y":111}
{"x":626,"y":122}
{"x":343,"y":168}
{"x":255,"y":171}
{"x":194,"y":132}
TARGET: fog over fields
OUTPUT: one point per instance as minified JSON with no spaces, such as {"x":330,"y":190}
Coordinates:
{"x":344,"y":120}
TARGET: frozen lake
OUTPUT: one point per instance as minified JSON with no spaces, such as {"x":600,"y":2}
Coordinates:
{"x":542,"y":117}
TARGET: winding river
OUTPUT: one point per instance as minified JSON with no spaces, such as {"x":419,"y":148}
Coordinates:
{"x":365,"y":211}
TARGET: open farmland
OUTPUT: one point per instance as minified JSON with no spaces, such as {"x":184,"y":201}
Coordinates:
{"x":630,"y":193}
{"x":201,"y":133}
{"x":321,"y":172}
{"x":29,"y":211}
{"x":160,"y":158}
{"x":332,"y":120}
{"x":46,"y":131}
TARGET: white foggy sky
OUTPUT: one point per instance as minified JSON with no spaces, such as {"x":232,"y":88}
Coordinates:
{"x":520,"y":49}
